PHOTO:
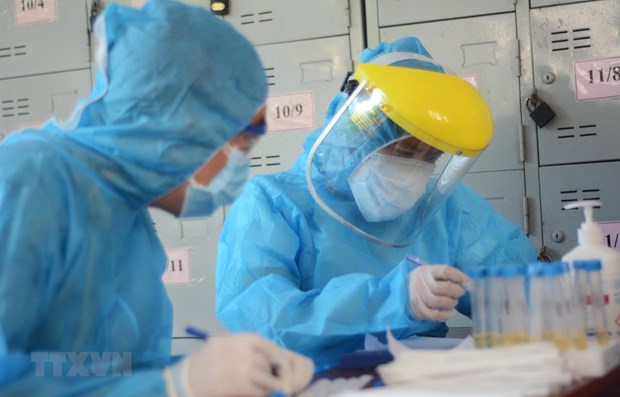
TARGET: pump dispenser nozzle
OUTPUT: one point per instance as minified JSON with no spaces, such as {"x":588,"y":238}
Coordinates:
{"x":589,"y":232}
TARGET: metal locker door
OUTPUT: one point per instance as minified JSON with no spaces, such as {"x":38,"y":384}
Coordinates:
{"x":544,"y":3}
{"x":562,"y":38}
{"x":310,"y":69}
{"x":56,"y":40}
{"x":484,"y":49}
{"x":193,"y":298}
{"x":31,"y":101}
{"x":565,"y":184}
{"x":504,"y":190}
{"x":278,"y":21}
{"x":399,"y":12}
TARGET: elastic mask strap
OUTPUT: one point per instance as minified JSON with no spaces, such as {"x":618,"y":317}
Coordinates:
{"x":195,"y":184}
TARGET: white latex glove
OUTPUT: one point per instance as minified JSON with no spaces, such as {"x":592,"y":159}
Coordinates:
{"x":239,"y":365}
{"x":434,"y":291}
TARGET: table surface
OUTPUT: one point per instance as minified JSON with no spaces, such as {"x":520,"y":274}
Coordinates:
{"x":605,"y":386}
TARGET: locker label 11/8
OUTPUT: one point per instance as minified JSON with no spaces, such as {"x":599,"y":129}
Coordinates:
{"x":598,"y":78}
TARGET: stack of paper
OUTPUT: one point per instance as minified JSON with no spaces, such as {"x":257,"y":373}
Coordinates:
{"x":520,"y":371}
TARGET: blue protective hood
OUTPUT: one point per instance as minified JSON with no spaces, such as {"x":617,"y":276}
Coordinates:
{"x":169,"y":91}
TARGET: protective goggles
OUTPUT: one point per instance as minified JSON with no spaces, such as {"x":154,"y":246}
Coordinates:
{"x":248,"y":138}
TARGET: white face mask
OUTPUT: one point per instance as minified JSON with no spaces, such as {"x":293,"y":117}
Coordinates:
{"x":384,"y":186}
{"x":203,"y":200}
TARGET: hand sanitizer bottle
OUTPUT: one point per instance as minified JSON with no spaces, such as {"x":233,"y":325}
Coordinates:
{"x":592,"y":246}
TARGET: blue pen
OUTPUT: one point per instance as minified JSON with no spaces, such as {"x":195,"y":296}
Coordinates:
{"x":196,"y":332}
{"x":193,"y":331}
{"x":415,"y":260}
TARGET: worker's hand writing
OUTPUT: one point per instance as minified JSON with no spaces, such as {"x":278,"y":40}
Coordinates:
{"x":434,"y":291}
{"x":245,"y":365}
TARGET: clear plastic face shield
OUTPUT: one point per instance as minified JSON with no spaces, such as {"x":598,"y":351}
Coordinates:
{"x":383,"y":167}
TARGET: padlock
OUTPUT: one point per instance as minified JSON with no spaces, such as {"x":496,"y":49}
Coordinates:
{"x":541,"y":113}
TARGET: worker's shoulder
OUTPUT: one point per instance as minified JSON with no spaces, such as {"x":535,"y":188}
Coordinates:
{"x":285,"y":181}
{"x":31,"y":158}
{"x":464,"y":194}
{"x":287,"y":186}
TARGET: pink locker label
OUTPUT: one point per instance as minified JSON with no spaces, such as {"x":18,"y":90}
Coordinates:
{"x":611,"y":234}
{"x":290,"y":112}
{"x":599,"y":78}
{"x":34,"y":11}
{"x":177,"y":271}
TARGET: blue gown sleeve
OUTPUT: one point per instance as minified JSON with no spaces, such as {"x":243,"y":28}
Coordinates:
{"x":263,"y":285}
{"x":484,"y":238}
{"x":260,"y":287}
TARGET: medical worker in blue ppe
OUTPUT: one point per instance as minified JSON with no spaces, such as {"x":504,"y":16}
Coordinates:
{"x":83,"y":311}
{"x":314,"y":257}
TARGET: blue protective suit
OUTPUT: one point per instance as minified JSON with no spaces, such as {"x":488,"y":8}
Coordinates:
{"x":289,"y":271}
{"x":82,"y":304}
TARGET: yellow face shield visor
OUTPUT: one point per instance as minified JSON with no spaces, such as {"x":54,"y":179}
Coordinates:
{"x":441,"y":110}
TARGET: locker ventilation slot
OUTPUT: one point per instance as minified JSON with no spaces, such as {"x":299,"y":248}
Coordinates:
{"x":259,"y":17}
{"x":271,"y":76}
{"x":18,"y":50}
{"x":266,"y":161}
{"x":571,"y":196}
{"x":580,"y":131}
{"x":564,"y":40}
{"x":14,"y":107}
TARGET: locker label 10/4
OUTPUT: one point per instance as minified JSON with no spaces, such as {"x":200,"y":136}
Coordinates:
{"x":34,"y":11}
